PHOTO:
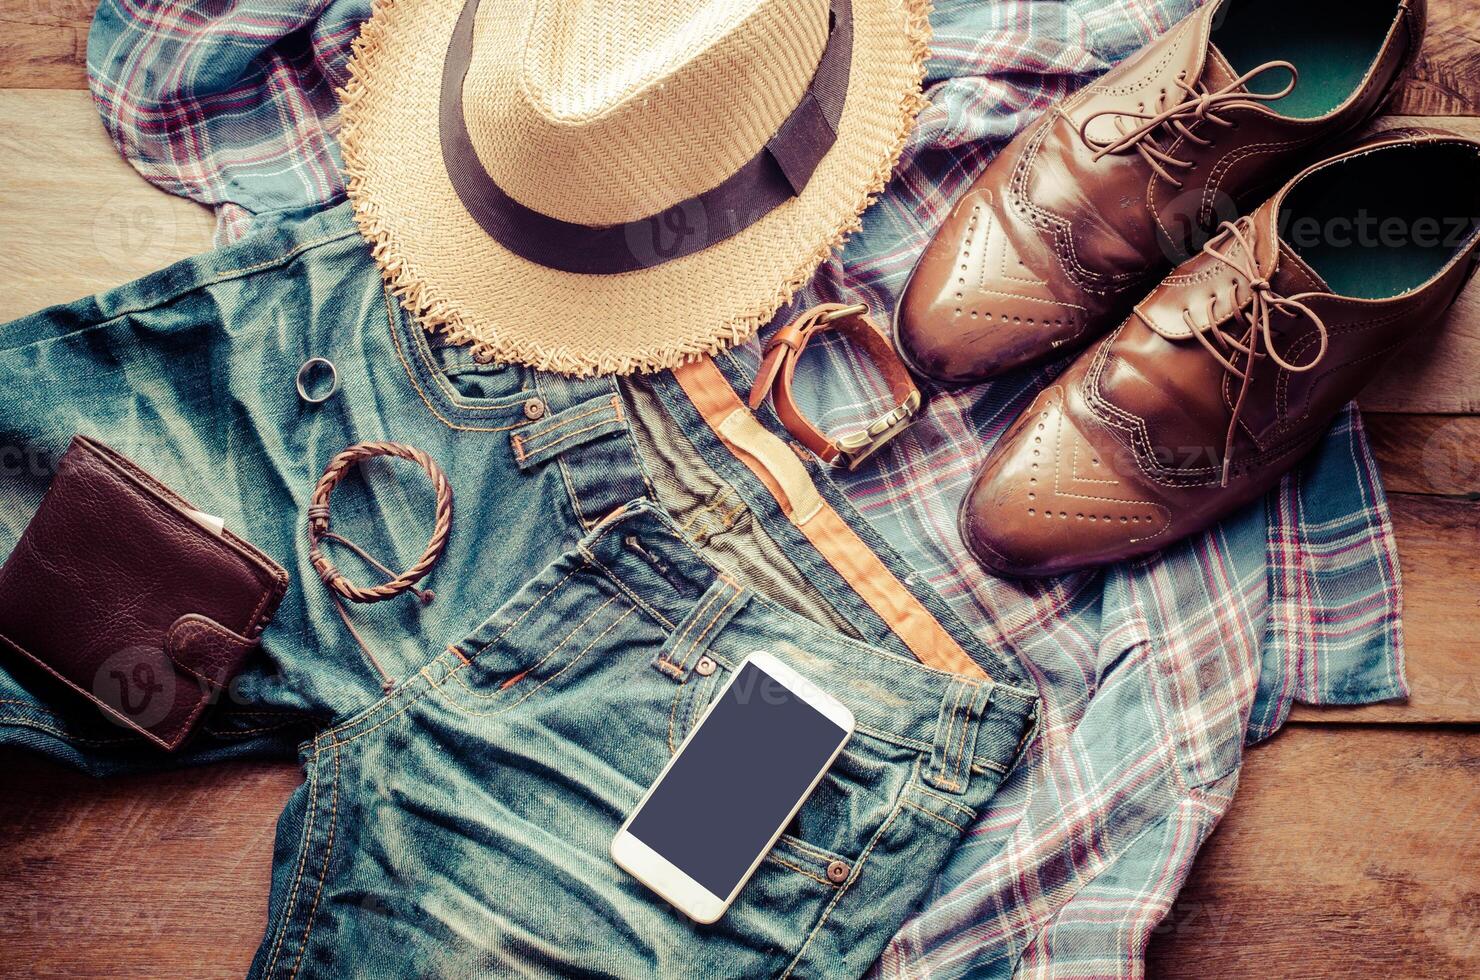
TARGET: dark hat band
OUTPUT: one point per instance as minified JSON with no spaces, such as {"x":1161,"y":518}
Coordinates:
{"x":770,"y":178}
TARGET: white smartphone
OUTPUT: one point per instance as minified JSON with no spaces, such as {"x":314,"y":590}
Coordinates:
{"x":716,"y":809}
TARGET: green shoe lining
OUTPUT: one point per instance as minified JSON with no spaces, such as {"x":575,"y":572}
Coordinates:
{"x":1381,"y":224}
{"x":1332,"y":44}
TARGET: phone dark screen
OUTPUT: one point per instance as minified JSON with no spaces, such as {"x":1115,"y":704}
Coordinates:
{"x":747,"y":766}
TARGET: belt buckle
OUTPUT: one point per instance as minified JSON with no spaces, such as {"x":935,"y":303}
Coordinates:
{"x":859,"y":446}
{"x":856,"y":309}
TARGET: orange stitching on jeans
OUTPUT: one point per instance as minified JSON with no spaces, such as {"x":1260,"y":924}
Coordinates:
{"x":541,"y":685}
{"x":541,"y":662}
{"x":717,"y":616}
{"x":672,"y":716}
{"x":694,"y":705}
{"x":969,"y":813}
{"x":797,"y":844}
{"x":929,"y":813}
{"x":537,"y":603}
{"x":945,"y":744}
{"x":665,"y":661}
{"x":800,"y":870}
{"x":239,"y":732}
{"x":543,"y":447}
{"x":614,"y":624}
{"x":58,"y":732}
{"x":842,"y":889}
{"x":416,"y":384}
{"x":313,"y":806}
{"x":323,"y":874}
{"x":636,"y":599}
{"x":669,"y":668}
{"x":459,"y":654}
{"x":333,"y":734}
{"x":965,"y":725}
{"x":563,"y":423}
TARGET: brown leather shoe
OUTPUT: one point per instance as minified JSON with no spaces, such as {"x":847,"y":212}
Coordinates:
{"x":1084,"y":211}
{"x":1164,"y":427}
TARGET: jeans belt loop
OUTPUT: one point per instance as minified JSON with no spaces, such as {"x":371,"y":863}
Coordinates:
{"x":581,"y":425}
{"x":961,"y":711}
{"x":686,"y":646}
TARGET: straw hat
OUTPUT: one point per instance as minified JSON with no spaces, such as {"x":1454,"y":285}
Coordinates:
{"x":608,"y":186}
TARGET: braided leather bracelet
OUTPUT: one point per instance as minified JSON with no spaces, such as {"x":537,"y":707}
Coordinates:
{"x":318,"y":531}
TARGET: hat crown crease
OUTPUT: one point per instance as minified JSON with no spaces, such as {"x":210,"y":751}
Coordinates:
{"x":596,"y":126}
{"x":580,"y":79}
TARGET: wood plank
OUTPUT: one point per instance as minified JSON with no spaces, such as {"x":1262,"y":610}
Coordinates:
{"x":1446,"y":79}
{"x":1437,"y":371}
{"x":164,"y":875}
{"x":1427,"y":454}
{"x":74,"y":217}
{"x":43,"y":43}
{"x":1439,"y":551}
{"x":1348,"y":852}
{"x":1357,"y":844}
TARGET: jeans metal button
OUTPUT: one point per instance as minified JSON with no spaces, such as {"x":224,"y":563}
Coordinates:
{"x":704,"y":667}
{"x":837,"y":872}
{"x":534,"y":409}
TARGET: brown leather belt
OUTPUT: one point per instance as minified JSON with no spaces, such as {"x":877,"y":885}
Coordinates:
{"x":778,"y":368}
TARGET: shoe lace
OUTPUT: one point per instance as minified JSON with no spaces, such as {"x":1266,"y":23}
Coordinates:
{"x":1254,"y":315}
{"x":1197,"y":104}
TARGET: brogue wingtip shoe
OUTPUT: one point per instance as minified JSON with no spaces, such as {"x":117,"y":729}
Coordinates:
{"x":1100,"y":197}
{"x":1050,"y":500}
{"x":1232,"y":369}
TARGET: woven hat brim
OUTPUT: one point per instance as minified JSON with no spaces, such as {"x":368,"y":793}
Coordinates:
{"x":456,"y":279}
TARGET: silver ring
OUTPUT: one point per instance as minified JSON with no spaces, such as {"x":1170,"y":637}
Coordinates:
{"x":303,"y":371}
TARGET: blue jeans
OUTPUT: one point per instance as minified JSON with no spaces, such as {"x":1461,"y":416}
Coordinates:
{"x":605,"y":537}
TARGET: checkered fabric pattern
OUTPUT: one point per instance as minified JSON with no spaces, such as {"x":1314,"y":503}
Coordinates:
{"x":233,"y":104}
{"x":1154,"y":673}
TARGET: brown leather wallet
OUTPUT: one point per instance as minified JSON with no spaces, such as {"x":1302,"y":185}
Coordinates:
{"x":778,"y":368}
{"x":134,"y":599}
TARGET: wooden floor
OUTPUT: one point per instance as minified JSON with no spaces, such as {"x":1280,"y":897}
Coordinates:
{"x":1353,"y":848}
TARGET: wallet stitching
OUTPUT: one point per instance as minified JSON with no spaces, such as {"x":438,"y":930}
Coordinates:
{"x":243,"y":553}
{"x":247,"y":555}
{"x":170,"y":745}
{"x":210,"y":626}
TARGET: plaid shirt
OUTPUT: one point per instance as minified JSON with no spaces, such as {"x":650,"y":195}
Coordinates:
{"x":1154,"y":673}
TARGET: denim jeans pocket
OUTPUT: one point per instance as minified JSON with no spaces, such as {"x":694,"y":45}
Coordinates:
{"x":469,"y":818}
{"x":587,"y":680}
{"x":540,"y":637}
{"x":468,"y":380}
